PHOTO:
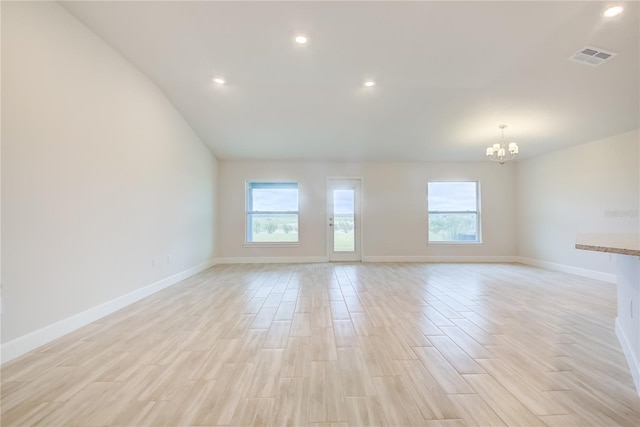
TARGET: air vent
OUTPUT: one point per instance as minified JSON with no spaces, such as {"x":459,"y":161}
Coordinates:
{"x":592,"y":56}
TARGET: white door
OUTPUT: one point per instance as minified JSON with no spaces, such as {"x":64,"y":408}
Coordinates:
{"x":344,"y":219}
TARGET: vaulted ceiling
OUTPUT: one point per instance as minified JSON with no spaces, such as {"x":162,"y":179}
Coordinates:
{"x":446,"y":74}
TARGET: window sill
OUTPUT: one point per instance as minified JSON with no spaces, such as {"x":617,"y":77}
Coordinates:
{"x":454,"y":243}
{"x":272,"y":245}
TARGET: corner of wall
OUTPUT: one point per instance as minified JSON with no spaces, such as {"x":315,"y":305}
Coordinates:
{"x":31,"y":341}
{"x":632,"y":358}
{"x":568,"y":192}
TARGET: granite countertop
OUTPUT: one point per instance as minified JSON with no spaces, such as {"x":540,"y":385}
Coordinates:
{"x":624,"y":244}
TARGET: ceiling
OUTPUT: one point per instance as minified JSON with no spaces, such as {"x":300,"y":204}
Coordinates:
{"x":447,"y":74}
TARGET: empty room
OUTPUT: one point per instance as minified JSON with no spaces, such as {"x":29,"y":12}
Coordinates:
{"x":320,"y":214}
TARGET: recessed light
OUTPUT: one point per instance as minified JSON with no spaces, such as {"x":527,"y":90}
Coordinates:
{"x":612,"y":11}
{"x":218,"y":81}
{"x":369,"y":83}
{"x":302,"y":39}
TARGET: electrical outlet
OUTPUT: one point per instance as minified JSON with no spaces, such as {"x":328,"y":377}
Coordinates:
{"x":154,"y":262}
{"x":169,"y":259}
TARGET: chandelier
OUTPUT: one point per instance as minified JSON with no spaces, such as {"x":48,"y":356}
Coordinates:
{"x":501,"y":152}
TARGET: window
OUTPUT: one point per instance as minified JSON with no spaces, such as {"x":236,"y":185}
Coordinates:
{"x":453,"y":212}
{"x":272,"y":212}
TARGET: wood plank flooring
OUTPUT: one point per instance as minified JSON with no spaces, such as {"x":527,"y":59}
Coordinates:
{"x":339,"y":345}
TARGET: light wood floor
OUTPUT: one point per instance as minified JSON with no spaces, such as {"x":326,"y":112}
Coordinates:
{"x":339,"y":345}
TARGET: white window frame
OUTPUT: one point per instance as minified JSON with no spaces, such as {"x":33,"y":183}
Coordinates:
{"x":249,"y":185}
{"x":477,"y":212}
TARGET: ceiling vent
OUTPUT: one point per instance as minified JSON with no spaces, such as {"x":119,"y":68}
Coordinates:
{"x":592,"y":56}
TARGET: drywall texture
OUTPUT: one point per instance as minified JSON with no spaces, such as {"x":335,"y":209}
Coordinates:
{"x":393,"y":203}
{"x":100,"y":174}
{"x":589,"y":188}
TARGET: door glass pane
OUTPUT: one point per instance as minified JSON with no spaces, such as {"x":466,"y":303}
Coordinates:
{"x":343,"y":221}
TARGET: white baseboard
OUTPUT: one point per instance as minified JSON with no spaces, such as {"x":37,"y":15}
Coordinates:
{"x":272,"y":260}
{"x":424,"y":258}
{"x":632,"y":359}
{"x":592,"y":274}
{"x":317,"y":259}
{"x":26,"y":343}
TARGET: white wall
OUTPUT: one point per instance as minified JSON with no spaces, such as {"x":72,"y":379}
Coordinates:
{"x":627,"y":321}
{"x":100,"y":174}
{"x":394,"y":208}
{"x":589,"y":188}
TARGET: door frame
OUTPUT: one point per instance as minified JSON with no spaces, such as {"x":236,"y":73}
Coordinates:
{"x":359,"y":220}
